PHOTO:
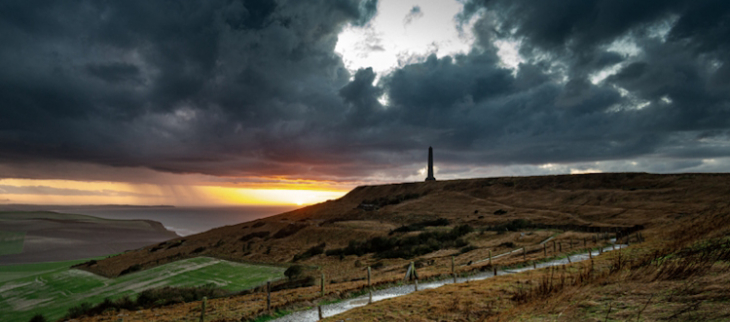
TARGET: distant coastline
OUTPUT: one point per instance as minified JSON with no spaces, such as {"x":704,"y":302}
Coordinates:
{"x":43,"y":236}
{"x":30,"y":207}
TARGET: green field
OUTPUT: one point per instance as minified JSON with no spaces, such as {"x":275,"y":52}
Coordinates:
{"x":51,"y":288}
{"x":11,"y":242}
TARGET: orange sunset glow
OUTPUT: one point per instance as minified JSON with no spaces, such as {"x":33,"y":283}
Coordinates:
{"x":70,"y":192}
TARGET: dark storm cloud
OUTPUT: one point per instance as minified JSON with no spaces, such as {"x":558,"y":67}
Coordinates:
{"x":247,"y":88}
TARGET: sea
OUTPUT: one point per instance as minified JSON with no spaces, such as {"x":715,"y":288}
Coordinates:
{"x":182,"y":220}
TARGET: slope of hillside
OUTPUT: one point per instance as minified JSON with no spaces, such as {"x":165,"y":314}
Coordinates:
{"x":388,"y":226}
{"x":608,"y":200}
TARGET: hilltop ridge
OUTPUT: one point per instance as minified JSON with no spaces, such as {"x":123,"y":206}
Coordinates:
{"x":593,"y":200}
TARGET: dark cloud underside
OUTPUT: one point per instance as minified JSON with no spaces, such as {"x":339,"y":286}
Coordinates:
{"x":241,"y":88}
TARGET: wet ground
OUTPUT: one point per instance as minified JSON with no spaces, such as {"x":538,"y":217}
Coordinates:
{"x":379,"y":295}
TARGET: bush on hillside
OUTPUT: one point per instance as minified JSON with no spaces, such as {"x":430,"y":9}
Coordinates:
{"x":147,"y":299}
{"x":421,"y":225}
{"x":515,"y":225}
{"x":374,"y":204}
{"x":172,"y":295}
{"x":131,"y":269}
{"x":289,"y":230}
{"x":467,"y":249}
{"x":293,"y":271}
{"x":38,"y":318}
{"x":407,"y":247}
{"x":258,"y":234}
{"x":316,"y":250}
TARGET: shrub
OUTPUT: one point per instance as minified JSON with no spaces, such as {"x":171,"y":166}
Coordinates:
{"x":499,"y":212}
{"x":78,"y":311}
{"x":302,"y":282}
{"x":131,"y":269}
{"x":289,"y":230}
{"x":385,"y":201}
{"x":408,"y":247}
{"x":507,"y":244}
{"x":467,"y":249}
{"x":293,"y":271}
{"x":316,"y":250}
{"x":258,"y":234}
{"x":172,"y":295}
{"x":38,"y":318}
{"x":421,"y":225}
{"x":177,"y":244}
{"x":515,"y":225}
{"x":198,"y":250}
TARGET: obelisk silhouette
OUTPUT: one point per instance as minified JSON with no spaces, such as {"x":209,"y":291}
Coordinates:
{"x":430,"y":165}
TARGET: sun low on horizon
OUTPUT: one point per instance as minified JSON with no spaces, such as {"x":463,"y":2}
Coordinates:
{"x":68,"y":192}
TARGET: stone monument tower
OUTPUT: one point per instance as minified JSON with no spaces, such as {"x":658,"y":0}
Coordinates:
{"x":430,"y":165}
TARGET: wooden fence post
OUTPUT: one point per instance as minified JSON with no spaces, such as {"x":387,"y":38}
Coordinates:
{"x":268,"y":297}
{"x":453,"y":270}
{"x":495,"y":270}
{"x":555,"y":250}
{"x":202,"y":309}
{"x":560,"y":246}
{"x":322,"y":285}
{"x":413,"y":273}
{"x":370,"y":287}
{"x":319,"y":311}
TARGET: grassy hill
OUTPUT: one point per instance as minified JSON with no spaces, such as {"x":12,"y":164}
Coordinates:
{"x":429,"y":222}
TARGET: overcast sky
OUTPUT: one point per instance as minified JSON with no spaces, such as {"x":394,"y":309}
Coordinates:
{"x":265,"y":92}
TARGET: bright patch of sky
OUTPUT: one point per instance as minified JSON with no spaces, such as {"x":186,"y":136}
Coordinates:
{"x":404,"y":32}
{"x":509,"y":53}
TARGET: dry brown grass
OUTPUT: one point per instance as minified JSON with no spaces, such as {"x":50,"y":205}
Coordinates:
{"x":679,"y":273}
{"x":668,"y":205}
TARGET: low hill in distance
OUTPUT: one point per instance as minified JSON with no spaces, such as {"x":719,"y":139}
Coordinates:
{"x":41,"y":236}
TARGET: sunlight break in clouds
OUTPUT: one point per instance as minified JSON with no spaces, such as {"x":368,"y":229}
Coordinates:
{"x":404,"y":32}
